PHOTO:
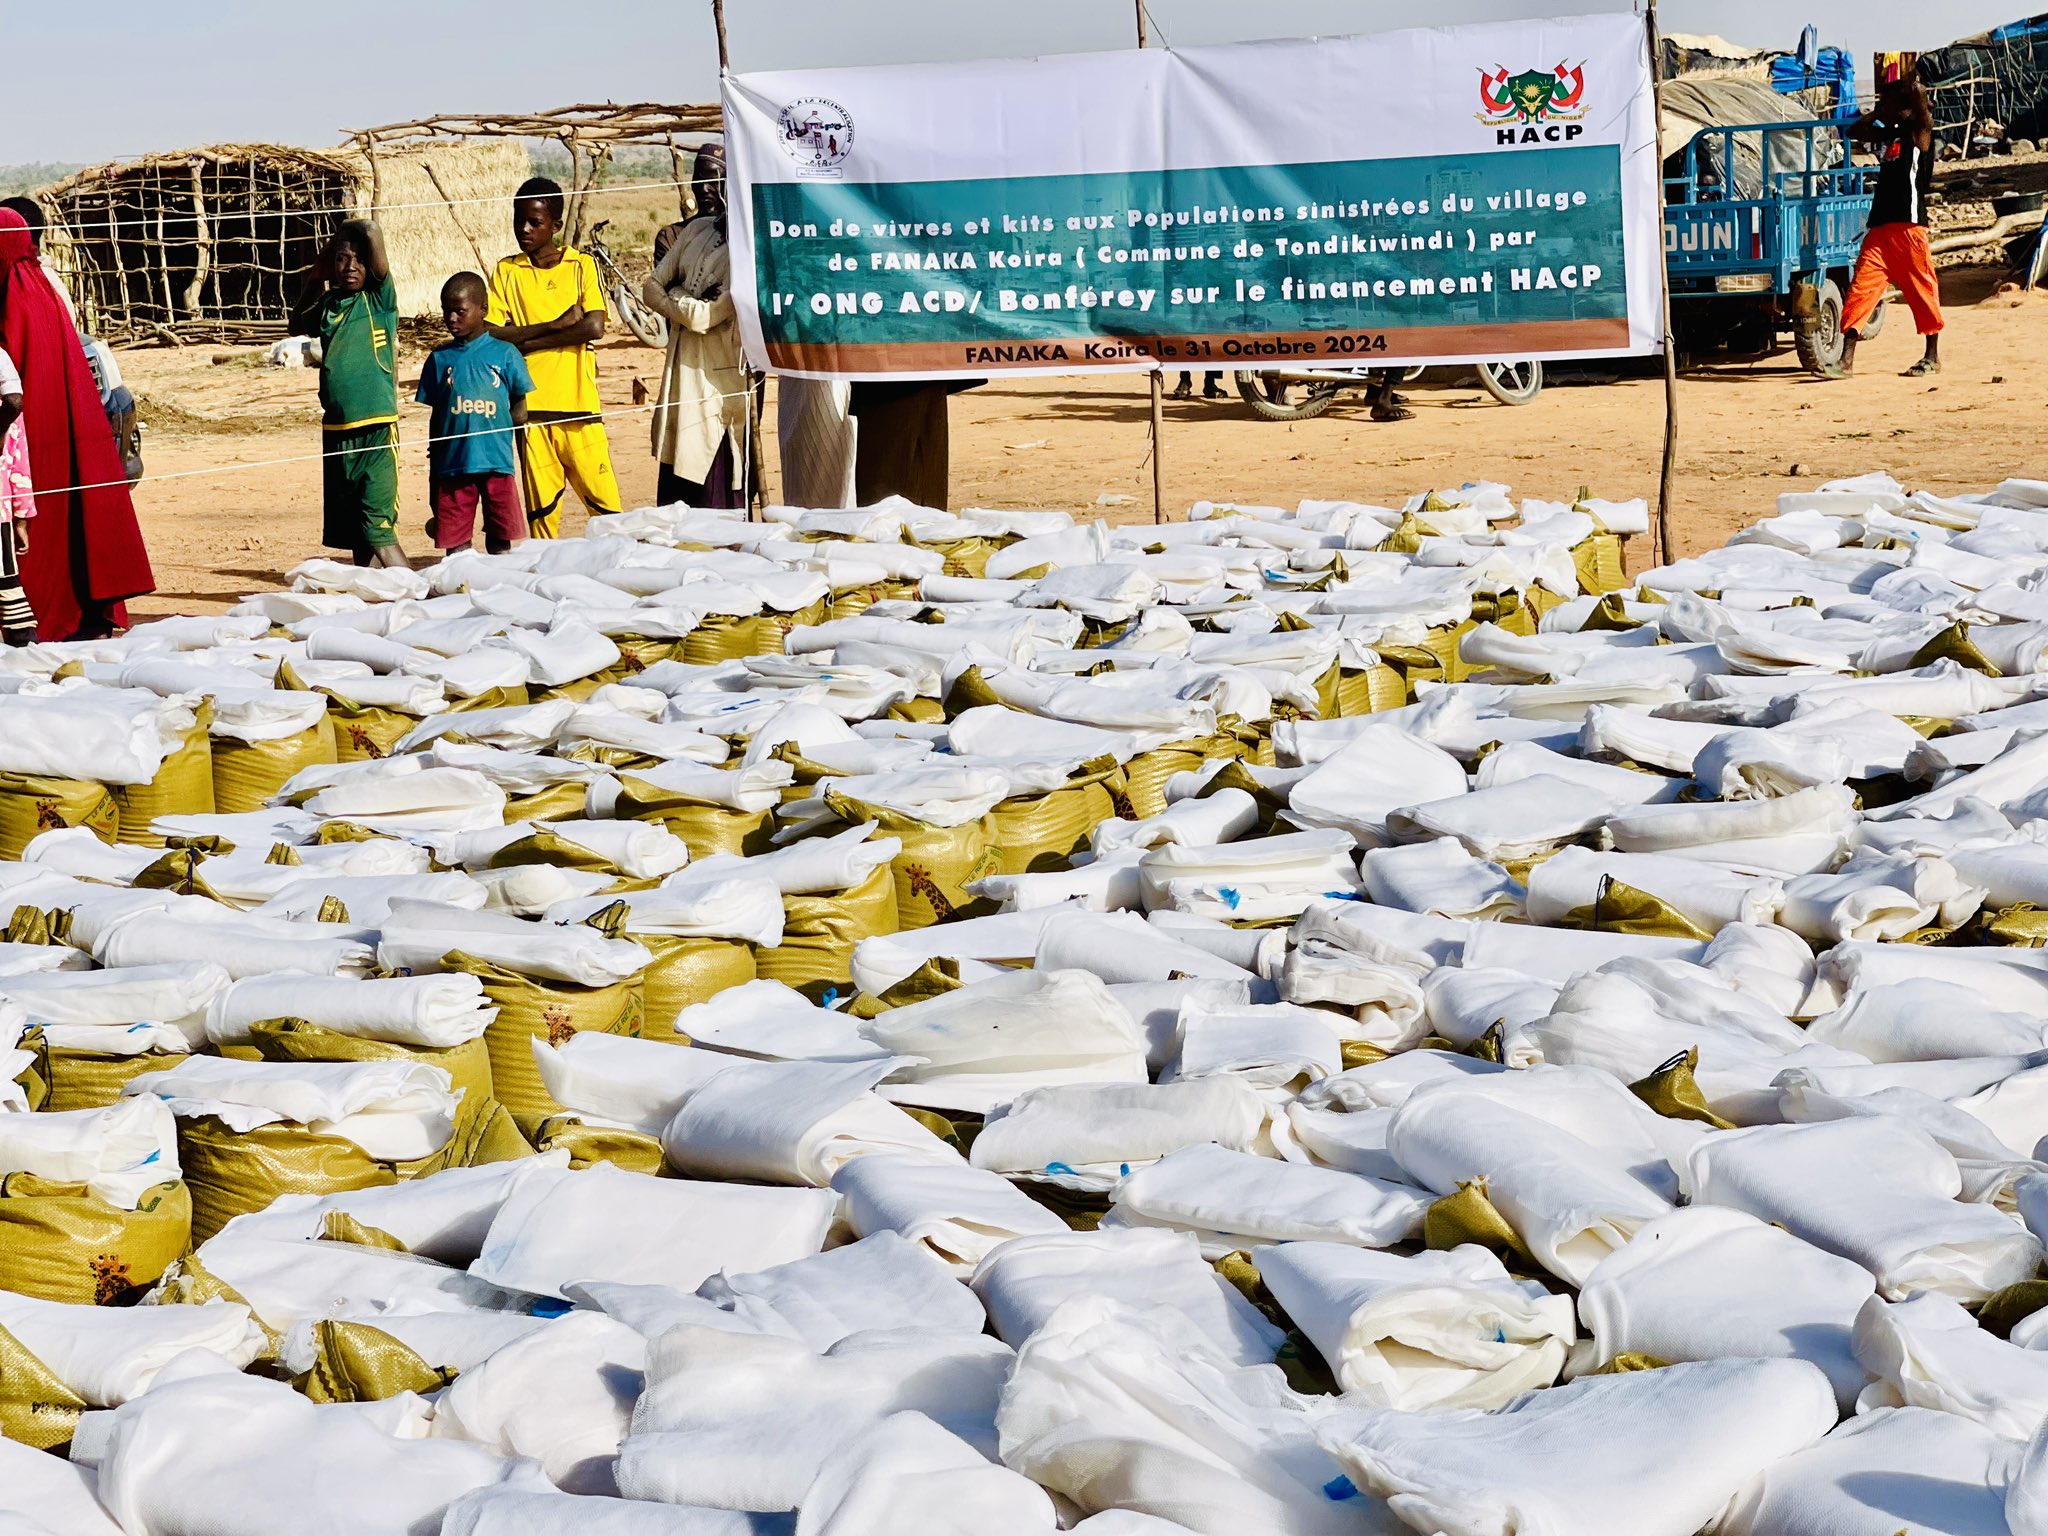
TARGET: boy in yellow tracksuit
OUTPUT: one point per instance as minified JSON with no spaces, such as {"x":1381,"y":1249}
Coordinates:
{"x":549,"y":303}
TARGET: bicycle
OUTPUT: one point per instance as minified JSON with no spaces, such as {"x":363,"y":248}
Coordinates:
{"x":651,"y":328}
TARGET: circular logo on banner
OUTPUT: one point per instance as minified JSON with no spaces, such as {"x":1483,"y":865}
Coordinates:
{"x":817,"y":134}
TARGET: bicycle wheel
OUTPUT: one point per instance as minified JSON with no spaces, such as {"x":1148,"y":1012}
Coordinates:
{"x":1512,"y":383}
{"x":1274,"y":399}
{"x":652,"y":329}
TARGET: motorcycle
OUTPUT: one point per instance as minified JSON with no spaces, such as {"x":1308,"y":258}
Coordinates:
{"x":1272,"y":395}
{"x":651,"y":328}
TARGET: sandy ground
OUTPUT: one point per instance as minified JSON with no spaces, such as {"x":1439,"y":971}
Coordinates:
{"x":1746,"y":432}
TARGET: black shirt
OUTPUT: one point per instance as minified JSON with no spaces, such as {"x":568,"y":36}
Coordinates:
{"x":1905,"y":176}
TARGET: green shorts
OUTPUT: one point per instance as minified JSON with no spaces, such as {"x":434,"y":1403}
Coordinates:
{"x":359,"y":479}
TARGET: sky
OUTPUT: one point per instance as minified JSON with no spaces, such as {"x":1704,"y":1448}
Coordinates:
{"x":140,"y":75}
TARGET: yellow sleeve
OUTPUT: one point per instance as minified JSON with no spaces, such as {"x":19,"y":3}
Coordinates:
{"x":590,"y":287}
{"x":500,"y":312}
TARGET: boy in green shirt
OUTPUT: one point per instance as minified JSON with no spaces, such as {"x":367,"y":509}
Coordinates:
{"x":354,"y":312}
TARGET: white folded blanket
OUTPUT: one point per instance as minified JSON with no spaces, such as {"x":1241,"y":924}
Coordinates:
{"x":1572,"y":1202}
{"x":774,"y":1022}
{"x":1232,"y":1200}
{"x":171,"y":1453}
{"x":1122,"y":947}
{"x":882,"y":1281}
{"x":394,"y":1110}
{"x":242,"y":946}
{"x":430,"y":1011}
{"x":1253,"y":880}
{"x":119,"y":1153}
{"x":1379,"y":771}
{"x":1112,"y":1406}
{"x":47,"y":1496}
{"x":1438,"y":1329}
{"x":152,"y":994}
{"x":1791,"y":833}
{"x":1878,"y":1192}
{"x":1708,"y":897}
{"x":740,"y":1421}
{"x":984,"y":1044}
{"x":792,"y":1122}
{"x":443,"y":1216}
{"x":434,"y":799}
{"x":1627,"y":1455}
{"x":1927,"y":1352}
{"x":107,"y":1355}
{"x":419,"y":936}
{"x":113,"y":735}
{"x":607,"y":1224}
{"x":957,"y":1214}
{"x":510,"y":1512}
{"x":1023,"y":1282}
{"x":1852,"y":1482}
{"x":1927,"y":1020}
{"x":1441,"y":877}
{"x":908,"y":1472}
{"x":562,"y":1395}
{"x":1089,"y":1135}
{"x":1707,"y":1283}
{"x":289,"y":1281}
{"x":1219,"y":818}
{"x":697,"y":905}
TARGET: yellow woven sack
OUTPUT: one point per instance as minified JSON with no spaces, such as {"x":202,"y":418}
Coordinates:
{"x":183,"y":786}
{"x":247,"y":773}
{"x":820,"y":931}
{"x":363,"y":731}
{"x":232,"y":1173}
{"x":704,"y":829}
{"x":63,"y":1243}
{"x":634,"y":1151}
{"x":688,"y":971}
{"x":1044,"y":832}
{"x":90,"y":1079}
{"x":355,"y":1363}
{"x":564,"y":800}
{"x":1146,"y":774}
{"x":32,"y":804}
{"x":935,"y":865}
{"x":554,"y":1011}
{"x":1599,"y":562}
{"x":35,"y":1407}
{"x":729,"y":637}
{"x":964,"y":557}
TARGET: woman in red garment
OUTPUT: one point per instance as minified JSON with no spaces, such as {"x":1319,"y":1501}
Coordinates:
{"x":86,"y":557}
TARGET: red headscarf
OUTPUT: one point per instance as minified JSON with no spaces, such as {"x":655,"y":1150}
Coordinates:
{"x":85,"y":551}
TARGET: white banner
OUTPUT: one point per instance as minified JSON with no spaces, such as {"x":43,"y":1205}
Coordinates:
{"x":1447,"y":195}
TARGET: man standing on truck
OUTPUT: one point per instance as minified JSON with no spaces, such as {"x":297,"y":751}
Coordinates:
{"x":1895,"y":244}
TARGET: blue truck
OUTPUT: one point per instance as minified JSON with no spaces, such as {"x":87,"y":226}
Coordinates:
{"x":1761,"y":230}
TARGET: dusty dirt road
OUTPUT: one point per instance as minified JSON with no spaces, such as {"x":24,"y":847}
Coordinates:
{"x":1081,"y":443}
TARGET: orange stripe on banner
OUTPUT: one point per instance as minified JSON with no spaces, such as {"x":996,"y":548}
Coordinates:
{"x":1223,"y":349}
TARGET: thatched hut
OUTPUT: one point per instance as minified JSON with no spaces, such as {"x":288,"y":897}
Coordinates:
{"x":214,"y":244}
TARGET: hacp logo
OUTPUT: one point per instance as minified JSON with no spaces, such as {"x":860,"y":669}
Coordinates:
{"x":1536,"y":106}
{"x":817,"y":134}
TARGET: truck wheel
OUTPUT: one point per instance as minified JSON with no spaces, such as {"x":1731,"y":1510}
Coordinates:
{"x":1272,"y":398}
{"x":1868,"y":330}
{"x":1819,"y":338}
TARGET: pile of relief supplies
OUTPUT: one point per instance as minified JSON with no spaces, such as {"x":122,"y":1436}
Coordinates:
{"x":1319,"y":1022}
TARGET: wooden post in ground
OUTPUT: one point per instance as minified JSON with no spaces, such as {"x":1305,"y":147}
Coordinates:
{"x":1157,"y":375}
{"x":718,"y":21}
{"x":1665,"y":549}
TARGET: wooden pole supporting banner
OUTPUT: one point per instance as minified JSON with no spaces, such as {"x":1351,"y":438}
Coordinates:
{"x":1665,"y":549}
{"x":1158,"y":378}
{"x":718,"y":21}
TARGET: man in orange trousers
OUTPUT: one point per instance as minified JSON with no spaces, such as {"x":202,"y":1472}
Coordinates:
{"x":1895,"y":245}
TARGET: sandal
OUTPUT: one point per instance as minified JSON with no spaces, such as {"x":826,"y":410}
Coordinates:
{"x":1390,"y":412}
{"x":1927,"y":367}
{"x":1182,"y":392}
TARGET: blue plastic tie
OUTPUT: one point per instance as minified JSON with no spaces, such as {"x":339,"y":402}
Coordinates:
{"x":1339,"y":1488}
{"x":1230,"y":896}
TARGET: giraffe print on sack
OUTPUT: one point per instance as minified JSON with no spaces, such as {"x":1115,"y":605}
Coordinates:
{"x":561,"y":1024}
{"x":49,"y":816}
{"x":110,"y":1280}
{"x":364,"y":742}
{"x":921,"y":883}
